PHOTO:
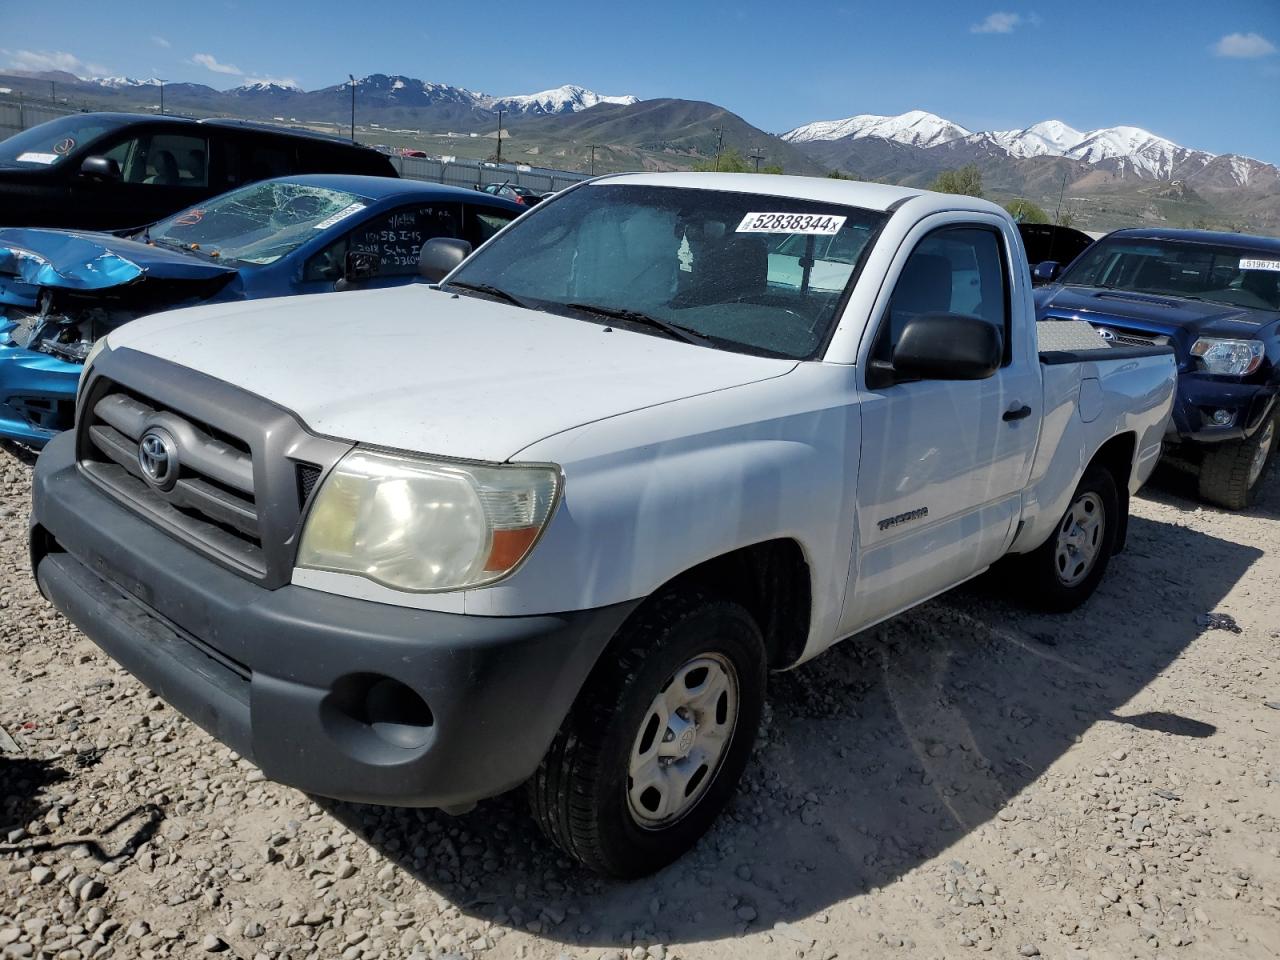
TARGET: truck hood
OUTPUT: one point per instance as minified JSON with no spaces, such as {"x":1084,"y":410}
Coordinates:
{"x":418,"y":369}
{"x":1192,"y":317}
{"x":84,"y":261}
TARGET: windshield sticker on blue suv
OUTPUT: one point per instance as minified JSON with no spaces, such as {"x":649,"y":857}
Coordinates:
{"x":45,"y":158}
{"x":815,"y":223}
{"x":1260,"y":265}
{"x":342,"y":214}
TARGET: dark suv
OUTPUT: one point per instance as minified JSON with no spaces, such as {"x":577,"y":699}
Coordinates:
{"x":106,"y":171}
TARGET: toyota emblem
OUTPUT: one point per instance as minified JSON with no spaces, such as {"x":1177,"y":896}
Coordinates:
{"x":158,"y":458}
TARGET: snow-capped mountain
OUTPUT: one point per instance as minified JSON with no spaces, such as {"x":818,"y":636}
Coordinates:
{"x":267,"y":86}
{"x":1123,"y":150}
{"x":117,"y":83}
{"x":567,"y":99}
{"x":1047,"y":138}
{"x":915,"y":128}
{"x":409,"y":91}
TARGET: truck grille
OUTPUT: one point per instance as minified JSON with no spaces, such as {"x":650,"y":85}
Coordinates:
{"x":212,"y":497}
{"x":1132,"y":338}
{"x":225,"y":471}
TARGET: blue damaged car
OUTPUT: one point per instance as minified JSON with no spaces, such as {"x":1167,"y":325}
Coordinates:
{"x":1213,"y":297}
{"x":61,"y":290}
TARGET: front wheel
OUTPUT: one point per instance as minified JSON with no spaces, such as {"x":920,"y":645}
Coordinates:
{"x":1231,"y":473}
{"x":658,"y":739}
{"x":1065,"y":570}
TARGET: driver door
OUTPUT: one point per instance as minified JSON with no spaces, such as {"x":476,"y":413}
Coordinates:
{"x":942,"y":468}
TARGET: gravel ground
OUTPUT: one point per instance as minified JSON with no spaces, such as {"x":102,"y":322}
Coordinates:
{"x":968,"y":779}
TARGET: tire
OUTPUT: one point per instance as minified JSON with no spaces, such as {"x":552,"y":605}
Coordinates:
{"x":583,"y":794}
{"x":1058,"y":579}
{"x":1231,"y":473}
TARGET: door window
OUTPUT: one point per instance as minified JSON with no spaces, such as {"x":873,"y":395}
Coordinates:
{"x":484,"y":222}
{"x":957,"y":270}
{"x":163,"y":159}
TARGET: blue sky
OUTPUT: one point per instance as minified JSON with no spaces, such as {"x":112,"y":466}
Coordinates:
{"x":1206,"y":75}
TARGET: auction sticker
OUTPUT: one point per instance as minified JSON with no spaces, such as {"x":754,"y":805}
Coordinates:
{"x":1260,"y":265}
{"x":342,"y":214}
{"x":45,"y":158}
{"x":815,"y":223}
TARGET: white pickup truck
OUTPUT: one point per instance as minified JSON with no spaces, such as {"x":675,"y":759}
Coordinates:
{"x":554,"y":518}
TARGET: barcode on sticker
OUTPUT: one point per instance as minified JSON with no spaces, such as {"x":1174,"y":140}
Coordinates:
{"x":1260,"y":265}
{"x":817,"y":223}
{"x":342,"y":214}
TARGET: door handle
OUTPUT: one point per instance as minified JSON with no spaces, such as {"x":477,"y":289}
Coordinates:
{"x":1017,"y":413}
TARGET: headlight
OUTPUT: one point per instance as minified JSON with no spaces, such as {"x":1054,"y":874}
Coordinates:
{"x":417,"y":524}
{"x":98,"y":346}
{"x":1228,"y":358}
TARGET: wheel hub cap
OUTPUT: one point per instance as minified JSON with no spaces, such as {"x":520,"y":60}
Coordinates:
{"x":682,"y":741}
{"x":1079,"y":539}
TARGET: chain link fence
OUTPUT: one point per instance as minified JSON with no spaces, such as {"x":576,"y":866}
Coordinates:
{"x":16,"y":114}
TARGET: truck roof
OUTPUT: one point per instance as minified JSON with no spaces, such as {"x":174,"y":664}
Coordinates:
{"x":853,"y":193}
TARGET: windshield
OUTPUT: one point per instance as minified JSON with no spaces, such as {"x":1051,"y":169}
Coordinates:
{"x":259,"y":223}
{"x":1236,"y":276}
{"x":748,"y":272}
{"x":50,"y":143}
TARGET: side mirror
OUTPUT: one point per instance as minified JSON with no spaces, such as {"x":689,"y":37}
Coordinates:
{"x":1045,"y":272}
{"x":359,"y":265}
{"x":942,"y":346}
{"x":439,"y":256}
{"x":100,"y":168}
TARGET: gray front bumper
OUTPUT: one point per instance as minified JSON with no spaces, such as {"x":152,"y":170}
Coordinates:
{"x":279,"y":675}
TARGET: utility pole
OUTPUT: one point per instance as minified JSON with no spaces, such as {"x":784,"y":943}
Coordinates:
{"x":352,"y":78}
{"x":719,"y":132}
{"x":1058,"y":213}
{"x":162,"y":96}
{"x":500,"y":113}
{"x":593,"y":159}
{"x":53,"y":91}
{"x":757,"y":156}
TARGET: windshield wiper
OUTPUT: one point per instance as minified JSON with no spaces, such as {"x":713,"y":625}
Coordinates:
{"x":491,"y":290}
{"x":673,"y":330}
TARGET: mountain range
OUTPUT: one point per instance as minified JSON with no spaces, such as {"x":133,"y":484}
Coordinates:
{"x":1123,"y":150}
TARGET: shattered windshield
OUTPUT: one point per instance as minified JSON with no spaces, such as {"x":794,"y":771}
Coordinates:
{"x":745,"y":272}
{"x":259,"y":223}
{"x":50,"y":143}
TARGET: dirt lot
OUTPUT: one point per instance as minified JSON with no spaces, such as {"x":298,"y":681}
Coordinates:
{"x":969,"y":778}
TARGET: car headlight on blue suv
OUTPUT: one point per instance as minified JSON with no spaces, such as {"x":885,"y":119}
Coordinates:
{"x":1228,"y":358}
{"x":419,"y":524}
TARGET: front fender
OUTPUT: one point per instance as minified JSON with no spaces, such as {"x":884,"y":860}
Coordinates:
{"x":712,"y":474}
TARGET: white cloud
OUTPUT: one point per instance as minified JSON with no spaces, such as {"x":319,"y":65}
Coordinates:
{"x":160,"y":41}
{"x":38,"y":60}
{"x":210,"y":62}
{"x":1244,"y":46}
{"x":997,"y":23}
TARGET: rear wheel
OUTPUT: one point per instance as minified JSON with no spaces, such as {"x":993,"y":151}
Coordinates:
{"x":658,"y":739}
{"x":1065,"y":570}
{"x":1231,"y":473}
